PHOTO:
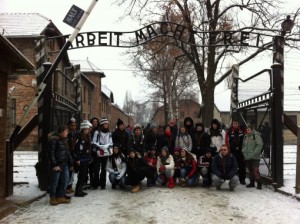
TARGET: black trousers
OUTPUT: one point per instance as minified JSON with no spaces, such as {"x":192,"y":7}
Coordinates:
{"x":241,"y":164}
{"x":81,"y":177}
{"x":99,"y":167}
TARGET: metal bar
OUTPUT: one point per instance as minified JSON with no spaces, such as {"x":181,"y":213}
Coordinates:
{"x":257,"y":74}
{"x":43,"y":84}
{"x":297,"y":186}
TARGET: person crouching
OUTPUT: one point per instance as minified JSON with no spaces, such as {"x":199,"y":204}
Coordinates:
{"x":204,"y":167}
{"x":137,"y":170}
{"x":116,"y":167}
{"x":225,"y":167}
{"x":188,"y":168}
{"x":165,"y":167}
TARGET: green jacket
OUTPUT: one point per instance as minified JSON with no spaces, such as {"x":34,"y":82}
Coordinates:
{"x":252,"y":146}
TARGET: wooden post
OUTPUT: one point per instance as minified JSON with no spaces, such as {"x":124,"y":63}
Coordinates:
{"x":297,"y":186}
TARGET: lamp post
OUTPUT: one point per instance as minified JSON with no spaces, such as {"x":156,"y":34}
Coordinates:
{"x":277,"y":104}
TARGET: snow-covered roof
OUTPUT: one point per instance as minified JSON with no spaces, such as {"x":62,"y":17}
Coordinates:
{"x":87,"y":66}
{"x":107,"y":92}
{"x":23,"y":24}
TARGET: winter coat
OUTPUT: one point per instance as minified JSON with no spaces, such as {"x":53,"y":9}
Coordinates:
{"x":120,"y":138}
{"x":169,"y":163}
{"x":184,"y":141}
{"x":139,"y":168}
{"x":102,"y":140}
{"x":151,"y":139}
{"x":224,"y":167}
{"x":201,"y":141}
{"x":189,"y":164}
{"x":151,"y":160}
{"x":137,"y":143}
{"x":234,"y":139}
{"x":168,"y":141}
{"x":252,"y":146}
{"x":204,"y":161}
{"x":116,"y":164}
{"x":217,"y":140}
{"x":59,"y":153}
{"x":189,"y":128}
{"x":82,"y":150}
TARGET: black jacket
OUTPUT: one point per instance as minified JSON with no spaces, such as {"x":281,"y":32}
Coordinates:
{"x":59,"y":153}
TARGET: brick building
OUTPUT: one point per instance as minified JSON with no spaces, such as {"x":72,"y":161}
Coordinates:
{"x":11,"y":61}
{"x":117,"y":113}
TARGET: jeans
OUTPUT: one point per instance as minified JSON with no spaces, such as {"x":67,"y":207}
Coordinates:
{"x":192,"y":180}
{"x":59,"y":182}
{"x":113,"y":180}
{"x":81,"y":177}
{"x":233,"y":182}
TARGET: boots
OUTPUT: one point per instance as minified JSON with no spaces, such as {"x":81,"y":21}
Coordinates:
{"x":259,"y":184}
{"x":63,"y":200}
{"x":135,"y":188}
{"x":53,"y":201}
{"x":251,"y":184}
{"x":171,"y":183}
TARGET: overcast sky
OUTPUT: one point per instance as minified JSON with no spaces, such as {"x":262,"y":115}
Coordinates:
{"x":112,"y":61}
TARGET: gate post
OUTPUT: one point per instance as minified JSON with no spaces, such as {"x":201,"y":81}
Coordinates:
{"x":234,"y":92}
{"x":297,"y":186}
{"x":277,"y":111}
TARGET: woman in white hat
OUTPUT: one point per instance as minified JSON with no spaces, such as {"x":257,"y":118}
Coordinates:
{"x":82,"y":155}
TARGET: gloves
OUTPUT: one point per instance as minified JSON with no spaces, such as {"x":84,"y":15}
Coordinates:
{"x":101,"y":152}
{"x":118,"y":177}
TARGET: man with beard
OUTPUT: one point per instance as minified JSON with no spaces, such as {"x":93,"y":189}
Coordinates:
{"x":120,"y":137}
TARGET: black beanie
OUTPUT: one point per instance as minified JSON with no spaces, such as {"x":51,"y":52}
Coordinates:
{"x":119,"y":122}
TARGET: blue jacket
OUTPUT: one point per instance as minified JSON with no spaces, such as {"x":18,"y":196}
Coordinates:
{"x":224,"y":167}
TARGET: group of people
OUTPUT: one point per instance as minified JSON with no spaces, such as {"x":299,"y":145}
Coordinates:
{"x":174,"y":156}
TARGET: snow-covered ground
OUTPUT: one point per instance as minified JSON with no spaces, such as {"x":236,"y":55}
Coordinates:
{"x":160,"y":205}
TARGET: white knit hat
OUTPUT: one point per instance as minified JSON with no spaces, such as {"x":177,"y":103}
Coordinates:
{"x":104,"y":121}
{"x":85,"y":124}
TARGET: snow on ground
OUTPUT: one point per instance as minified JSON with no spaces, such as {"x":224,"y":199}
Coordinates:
{"x":163,"y":205}
{"x":153,"y":205}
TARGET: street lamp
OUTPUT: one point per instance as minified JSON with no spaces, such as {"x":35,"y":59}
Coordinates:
{"x":287,"y":25}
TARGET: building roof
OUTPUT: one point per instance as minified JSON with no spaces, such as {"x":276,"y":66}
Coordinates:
{"x":23,"y":24}
{"x":88,"y":66}
{"x":14,"y":55}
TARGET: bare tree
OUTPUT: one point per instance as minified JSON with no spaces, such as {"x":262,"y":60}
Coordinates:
{"x":204,"y":18}
{"x":167,"y":74}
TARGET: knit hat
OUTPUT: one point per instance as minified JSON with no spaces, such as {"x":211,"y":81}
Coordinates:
{"x":104,"y":121}
{"x":176,"y":149}
{"x":136,"y":127}
{"x":153,"y":125}
{"x":72,"y":120}
{"x":165,"y":148}
{"x":85,"y":124}
{"x":119,"y":122}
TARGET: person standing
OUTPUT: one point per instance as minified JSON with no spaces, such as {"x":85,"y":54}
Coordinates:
{"x":82,"y":154}
{"x":224,"y":167}
{"x":103,"y":143}
{"x":217,"y":136}
{"x":234,"y":138}
{"x":252,"y":146}
{"x":184,"y":140}
{"x":167,"y":139}
{"x":120,"y":137}
{"x":95,"y":127}
{"x":201,"y":140}
{"x":73,"y":136}
{"x":61,"y":163}
{"x":136,"y":141}
{"x":151,"y":137}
